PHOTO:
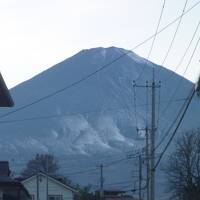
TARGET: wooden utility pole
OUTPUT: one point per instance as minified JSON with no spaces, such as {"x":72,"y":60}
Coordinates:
{"x":37,"y":184}
{"x":152,"y":140}
{"x":101,"y":183}
{"x":47,"y":177}
{"x":140,"y":177}
{"x":147,"y":162}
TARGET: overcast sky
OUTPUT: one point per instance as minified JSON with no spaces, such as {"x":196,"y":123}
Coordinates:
{"x":36,"y":34}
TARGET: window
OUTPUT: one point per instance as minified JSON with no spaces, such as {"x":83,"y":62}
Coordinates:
{"x":55,"y":197}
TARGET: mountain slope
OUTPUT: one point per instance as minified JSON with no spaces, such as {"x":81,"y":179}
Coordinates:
{"x":110,"y":89}
{"x":96,"y":117}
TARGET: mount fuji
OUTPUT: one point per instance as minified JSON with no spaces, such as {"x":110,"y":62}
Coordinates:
{"x":95,"y":121}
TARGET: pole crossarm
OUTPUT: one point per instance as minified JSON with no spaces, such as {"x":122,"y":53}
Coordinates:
{"x":158,"y":85}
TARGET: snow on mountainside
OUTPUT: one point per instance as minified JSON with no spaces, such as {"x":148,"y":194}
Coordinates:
{"x":96,"y":117}
{"x":107,"y":97}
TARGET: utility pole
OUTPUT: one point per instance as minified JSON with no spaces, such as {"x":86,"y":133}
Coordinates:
{"x":150,"y":139}
{"x":140,"y":177}
{"x":101,"y":182}
{"x":47,"y":178}
{"x":152,"y":145}
{"x":147,"y":162}
{"x":37,"y":184}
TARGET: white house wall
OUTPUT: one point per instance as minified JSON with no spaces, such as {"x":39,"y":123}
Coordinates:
{"x":54,"y":188}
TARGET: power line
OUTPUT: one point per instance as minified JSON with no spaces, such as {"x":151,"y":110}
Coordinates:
{"x":74,"y":159}
{"x":178,"y":125}
{"x":96,"y":168}
{"x":81,"y":172}
{"x":179,"y":83}
{"x":172,"y":124}
{"x":153,"y":87}
{"x":118,"y":183}
{"x":162,"y":140}
{"x":82,"y":113}
{"x":153,"y":128}
{"x":134,"y":156}
{"x":115,"y":162}
{"x":175,"y":33}
{"x":154,"y":38}
{"x":185,"y":53}
{"x":127,"y":154}
{"x":100,"y":68}
{"x":193,"y":36}
{"x":158,"y":25}
{"x":92,"y":169}
{"x":159,"y":20}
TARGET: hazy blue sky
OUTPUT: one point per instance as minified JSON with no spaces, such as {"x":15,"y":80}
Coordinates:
{"x":36,"y":34}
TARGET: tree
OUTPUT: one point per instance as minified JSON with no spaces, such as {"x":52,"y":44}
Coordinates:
{"x":85,"y":193}
{"x":183,"y":167}
{"x":46,"y":163}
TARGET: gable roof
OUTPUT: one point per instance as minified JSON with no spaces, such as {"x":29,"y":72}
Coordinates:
{"x":54,"y":179}
{"x":7,"y":182}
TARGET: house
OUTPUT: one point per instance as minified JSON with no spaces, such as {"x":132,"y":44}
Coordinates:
{"x":5,"y":97}
{"x":40,"y":186}
{"x":11,"y":189}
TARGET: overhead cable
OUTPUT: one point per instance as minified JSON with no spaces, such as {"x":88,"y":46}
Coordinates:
{"x":99,"y":69}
